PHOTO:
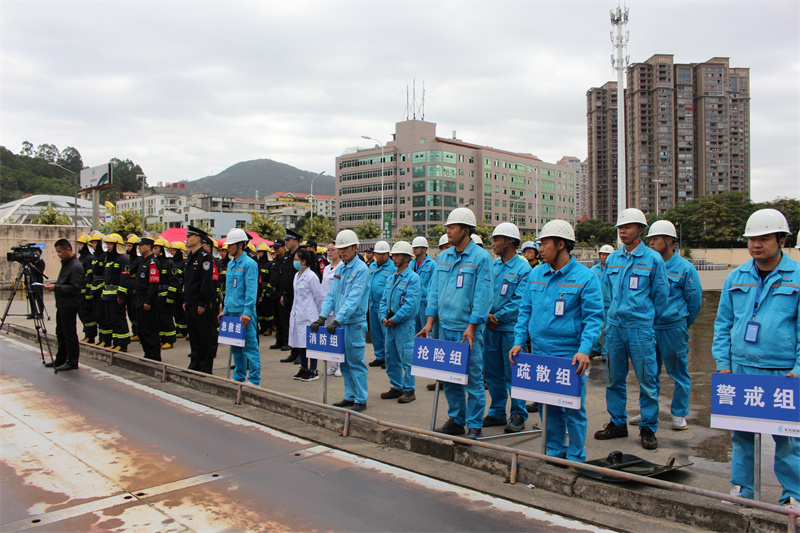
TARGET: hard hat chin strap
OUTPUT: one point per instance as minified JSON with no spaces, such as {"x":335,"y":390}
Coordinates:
{"x":770,"y":259}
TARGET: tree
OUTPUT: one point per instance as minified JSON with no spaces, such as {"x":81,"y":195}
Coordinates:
{"x":48,"y":152}
{"x":124,"y":223}
{"x":436,"y":232}
{"x":595,"y":232}
{"x":27,"y":149}
{"x":716,"y":221}
{"x":406,"y":233}
{"x":318,"y":229}
{"x":790,"y":207}
{"x":368,"y":230}
{"x":484,"y":232}
{"x":51,"y":216}
{"x":266,"y":226}
{"x":71,"y":159}
{"x":301,"y":222}
{"x":154,"y":228}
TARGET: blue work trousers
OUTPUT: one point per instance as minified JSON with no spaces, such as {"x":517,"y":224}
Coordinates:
{"x":377,"y":332}
{"x":787,"y":452}
{"x":247,"y":359}
{"x":353,"y":368}
{"x":497,"y":373}
{"x":562,"y":421}
{"x":399,"y":353}
{"x":466,"y":403}
{"x":639,"y":346}
{"x":672,"y":351}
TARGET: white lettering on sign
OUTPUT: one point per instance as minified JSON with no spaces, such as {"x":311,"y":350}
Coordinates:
{"x":726,"y":394}
{"x":455,"y":358}
{"x":784,"y":398}
{"x":542,"y":373}
{"x":562,"y":376}
{"x":438,"y":355}
{"x":423,"y":352}
{"x":752,"y":397}
{"x":524,"y":371}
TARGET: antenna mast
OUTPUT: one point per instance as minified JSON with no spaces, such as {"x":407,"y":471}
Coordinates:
{"x":619,"y":20}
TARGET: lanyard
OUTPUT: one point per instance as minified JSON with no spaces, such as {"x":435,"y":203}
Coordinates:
{"x":761,"y":284}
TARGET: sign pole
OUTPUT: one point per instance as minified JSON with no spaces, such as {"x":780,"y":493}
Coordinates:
{"x":543,"y":412}
{"x":95,"y":209}
{"x":324,"y":381}
{"x":757,"y":467}
{"x":435,"y":405}
{"x":228,"y":371}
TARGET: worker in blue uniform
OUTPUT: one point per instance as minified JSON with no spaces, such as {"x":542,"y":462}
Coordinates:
{"x":460,"y":299}
{"x":398,"y":312}
{"x":672,"y":327}
{"x":562,"y":314}
{"x":600,"y":270}
{"x":756,"y":332}
{"x":423,"y":266}
{"x":637,"y":283}
{"x":241,"y":295}
{"x":347,"y":299}
{"x":380,"y":271}
{"x":509,"y":280}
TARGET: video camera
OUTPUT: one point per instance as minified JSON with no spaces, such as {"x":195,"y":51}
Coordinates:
{"x":26,"y":253}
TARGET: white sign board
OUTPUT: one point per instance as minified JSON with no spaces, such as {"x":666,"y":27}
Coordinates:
{"x":99,"y":176}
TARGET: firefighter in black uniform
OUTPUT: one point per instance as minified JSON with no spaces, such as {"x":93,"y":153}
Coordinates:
{"x":178,"y":251}
{"x":86,"y":306}
{"x":264,"y":307}
{"x":166,"y":294}
{"x":199,"y":296}
{"x":146,"y":285}
{"x":116,"y":277}
{"x":103,"y":324}
{"x":134,"y":260}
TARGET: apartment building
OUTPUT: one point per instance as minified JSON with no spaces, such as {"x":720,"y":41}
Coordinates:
{"x":601,"y":127}
{"x":582,"y":190}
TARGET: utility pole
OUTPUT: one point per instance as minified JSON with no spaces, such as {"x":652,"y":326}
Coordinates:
{"x":619,"y":19}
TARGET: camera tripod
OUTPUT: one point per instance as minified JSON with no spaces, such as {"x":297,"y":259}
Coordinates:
{"x":35,"y":306}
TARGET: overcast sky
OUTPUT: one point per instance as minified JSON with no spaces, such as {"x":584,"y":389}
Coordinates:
{"x":186,"y":89}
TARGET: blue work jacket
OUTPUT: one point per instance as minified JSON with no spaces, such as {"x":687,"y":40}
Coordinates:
{"x":425,"y":273}
{"x":582,"y":320}
{"x":600,"y":271}
{"x":349,"y":293}
{"x":241,"y":287}
{"x":637,"y":307}
{"x":401,"y":297}
{"x":378,"y":278}
{"x":456,"y":308}
{"x":510,"y":281}
{"x":773,"y":303}
{"x":685,"y":294}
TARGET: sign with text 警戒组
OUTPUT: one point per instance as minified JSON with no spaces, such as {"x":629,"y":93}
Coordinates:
{"x":231,"y":331}
{"x":325,"y":346}
{"x":546,"y":379}
{"x":756,"y":404}
{"x":443,"y":360}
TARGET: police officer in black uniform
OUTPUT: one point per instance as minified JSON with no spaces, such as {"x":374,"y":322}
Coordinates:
{"x":199,"y":295}
{"x":146,"y":283}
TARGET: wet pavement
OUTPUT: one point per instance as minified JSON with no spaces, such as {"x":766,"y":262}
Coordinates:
{"x":709,"y":449}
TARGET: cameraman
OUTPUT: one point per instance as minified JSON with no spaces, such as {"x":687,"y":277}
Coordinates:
{"x":37,"y":276}
{"x":67,"y":290}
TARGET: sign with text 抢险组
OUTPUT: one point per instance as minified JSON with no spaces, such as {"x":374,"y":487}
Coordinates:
{"x":325,"y":346}
{"x":757,"y":404}
{"x":443,"y":360}
{"x":546,"y":379}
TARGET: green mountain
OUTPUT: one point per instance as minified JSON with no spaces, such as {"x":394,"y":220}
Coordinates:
{"x":266,"y":176}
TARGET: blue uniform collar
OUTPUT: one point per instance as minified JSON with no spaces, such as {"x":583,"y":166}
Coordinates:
{"x":564,"y":271}
{"x":636,"y":252}
{"x":783,"y":266}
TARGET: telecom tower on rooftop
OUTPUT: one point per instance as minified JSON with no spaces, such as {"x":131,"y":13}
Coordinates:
{"x":619,"y":60}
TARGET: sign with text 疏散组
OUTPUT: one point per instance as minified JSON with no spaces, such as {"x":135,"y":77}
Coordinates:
{"x":756,"y":404}
{"x":443,"y":360}
{"x":231,"y":331}
{"x":325,"y":346}
{"x":546,"y":379}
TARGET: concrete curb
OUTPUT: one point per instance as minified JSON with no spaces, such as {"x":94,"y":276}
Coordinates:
{"x":653,"y":502}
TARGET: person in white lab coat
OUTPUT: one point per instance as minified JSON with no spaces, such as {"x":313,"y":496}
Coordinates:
{"x":327,"y":278}
{"x":305,"y":309}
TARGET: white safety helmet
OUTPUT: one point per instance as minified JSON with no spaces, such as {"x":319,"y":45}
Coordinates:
{"x":477,"y":238}
{"x":236,"y":235}
{"x":558,"y":228}
{"x":631,"y":216}
{"x":662,"y":227}
{"x":402,"y":247}
{"x":506,"y":229}
{"x":345,"y":238}
{"x":418,"y":242}
{"x":443,"y":240}
{"x":766,"y":221}
{"x":528,"y":244}
{"x":606,"y":249}
{"x":382,"y":247}
{"x":461,"y":215}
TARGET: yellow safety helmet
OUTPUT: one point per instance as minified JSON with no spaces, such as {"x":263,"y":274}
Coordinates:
{"x":251,"y":247}
{"x":215,"y":243}
{"x":113,"y":237}
{"x":133,"y":239}
{"x":83,"y":238}
{"x":262,"y":247}
{"x":224,"y":246}
{"x":178,"y":245}
{"x":161,"y":241}
{"x":96,"y":236}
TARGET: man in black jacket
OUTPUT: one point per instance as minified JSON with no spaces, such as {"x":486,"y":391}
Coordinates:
{"x":67,"y":290}
{"x":146,"y":283}
{"x":198,"y":299}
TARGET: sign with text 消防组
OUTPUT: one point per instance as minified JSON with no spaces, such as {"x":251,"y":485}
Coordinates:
{"x":231,"y":331}
{"x":443,"y":360}
{"x":325,"y":346}
{"x":757,"y":404}
{"x":546,"y":379}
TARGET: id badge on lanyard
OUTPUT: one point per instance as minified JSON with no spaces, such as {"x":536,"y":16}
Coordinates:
{"x":504,"y":289}
{"x":751,"y":331}
{"x":560,"y":307}
{"x":402,"y":298}
{"x":234,"y":282}
{"x":460,"y":281}
{"x":633,"y":282}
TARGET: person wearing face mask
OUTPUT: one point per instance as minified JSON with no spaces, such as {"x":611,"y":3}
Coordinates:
{"x":305,"y":308}
{"x":241,"y":293}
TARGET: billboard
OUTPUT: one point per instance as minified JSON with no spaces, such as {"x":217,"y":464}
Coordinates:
{"x":98,"y":177}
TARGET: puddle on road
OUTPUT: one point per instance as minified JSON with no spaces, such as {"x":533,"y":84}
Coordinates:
{"x":716,"y":448}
